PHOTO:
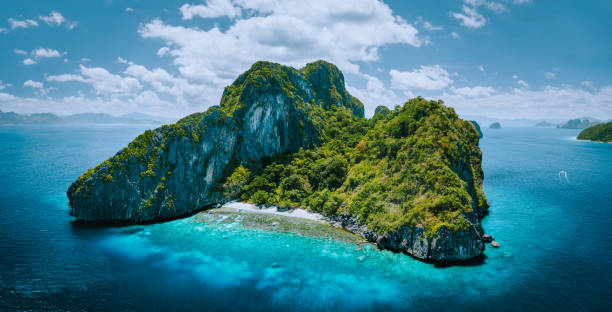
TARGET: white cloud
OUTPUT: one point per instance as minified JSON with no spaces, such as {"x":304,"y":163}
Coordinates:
{"x":3,"y":30}
{"x":20,"y":52}
{"x":548,"y":102}
{"x":4,"y":85}
{"x":103,"y":82}
{"x":481,"y":68}
{"x":523,"y":84}
{"x":588,"y":84}
{"x":426,"y":78}
{"x":515,"y":77}
{"x":292,"y":33}
{"x":550,"y":75}
{"x":129,"y":10}
{"x":470,"y":17}
{"x":212,"y":9}
{"x":427,"y":25}
{"x":455,"y":35}
{"x":65,"y":77}
{"x":22,"y":23}
{"x":33,"y":84}
{"x":72,"y":25}
{"x":521,"y":1}
{"x":29,"y":61}
{"x":163,"y":51}
{"x":45,"y":53}
{"x":54,"y":18}
{"x":477,"y":91}
{"x":375,"y":94}
{"x":491,"y":5}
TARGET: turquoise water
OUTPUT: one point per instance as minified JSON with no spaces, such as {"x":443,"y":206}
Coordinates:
{"x":556,"y":249}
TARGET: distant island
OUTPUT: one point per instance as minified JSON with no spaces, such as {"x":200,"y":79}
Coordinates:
{"x":599,"y":133}
{"x":10,"y":118}
{"x":495,"y":125}
{"x":544,"y":124}
{"x":408,"y":179}
{"x":580,"y":123}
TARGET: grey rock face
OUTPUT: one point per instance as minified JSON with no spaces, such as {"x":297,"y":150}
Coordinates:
{"x":176,"y":170}
{"x":447,"y":245}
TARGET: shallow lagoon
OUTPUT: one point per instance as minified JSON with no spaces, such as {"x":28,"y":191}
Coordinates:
{"x":556,"y":249}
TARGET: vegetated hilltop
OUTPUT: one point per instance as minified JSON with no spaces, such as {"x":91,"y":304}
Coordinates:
{"x":599,"y":132}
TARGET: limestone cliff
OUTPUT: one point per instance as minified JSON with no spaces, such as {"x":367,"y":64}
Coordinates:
{"x":176,"y":170}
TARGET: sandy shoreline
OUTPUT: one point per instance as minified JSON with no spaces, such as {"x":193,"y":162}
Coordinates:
{"x":296,"y":213}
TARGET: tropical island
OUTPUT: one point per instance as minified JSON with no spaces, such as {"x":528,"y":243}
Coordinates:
{"x":409,"y":179}
{"x":579,"y":123}
{"x":495,"y":125}
{"x":600,"y":133}
{"x":11,"y":118}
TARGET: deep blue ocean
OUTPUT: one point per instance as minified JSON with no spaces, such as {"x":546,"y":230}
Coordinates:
{"x":555,"y":236}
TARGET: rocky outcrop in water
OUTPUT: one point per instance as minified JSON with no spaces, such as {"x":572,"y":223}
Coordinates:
{"x":179,"y":169}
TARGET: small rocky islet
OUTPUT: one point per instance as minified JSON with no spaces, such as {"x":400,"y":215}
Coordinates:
{"x":408,"y":179}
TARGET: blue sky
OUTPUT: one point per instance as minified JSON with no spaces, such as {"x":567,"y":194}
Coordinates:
{"x":501,"y":58}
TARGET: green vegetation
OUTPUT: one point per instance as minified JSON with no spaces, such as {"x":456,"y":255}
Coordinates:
{"x":600,"y":132}
{"x":477,"y":126}
{"x":390,"y":171}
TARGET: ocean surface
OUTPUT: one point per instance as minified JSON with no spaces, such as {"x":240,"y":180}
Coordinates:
{"x":555,"y":236}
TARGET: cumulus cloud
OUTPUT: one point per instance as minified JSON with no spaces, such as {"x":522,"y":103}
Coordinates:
{"x":427,"y":25}
{"x":163,"y":51}
{"x":211,"y":9}
{"x":33,"y":84}
{"x":589,"y":84}
{"x":45,"y":53}
{"x":4,"y":85}
{"x":561,"y":102}
{"x":481,"y":68}
{"x":477,"y":91}
{"x":425,"y":78}
{"x":293,"y":33}
{"x":54,"y":18}
{"x":102,"y":81}
{"x":37,"y":54}
{"x":15,"y":23}
{"x":455,"y":35}
{"x":523,"y":84}
{"x":375,"y":94}
{"x":470,"y":17}
{"x":129,"y":10}
{"x":491,"y":5}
